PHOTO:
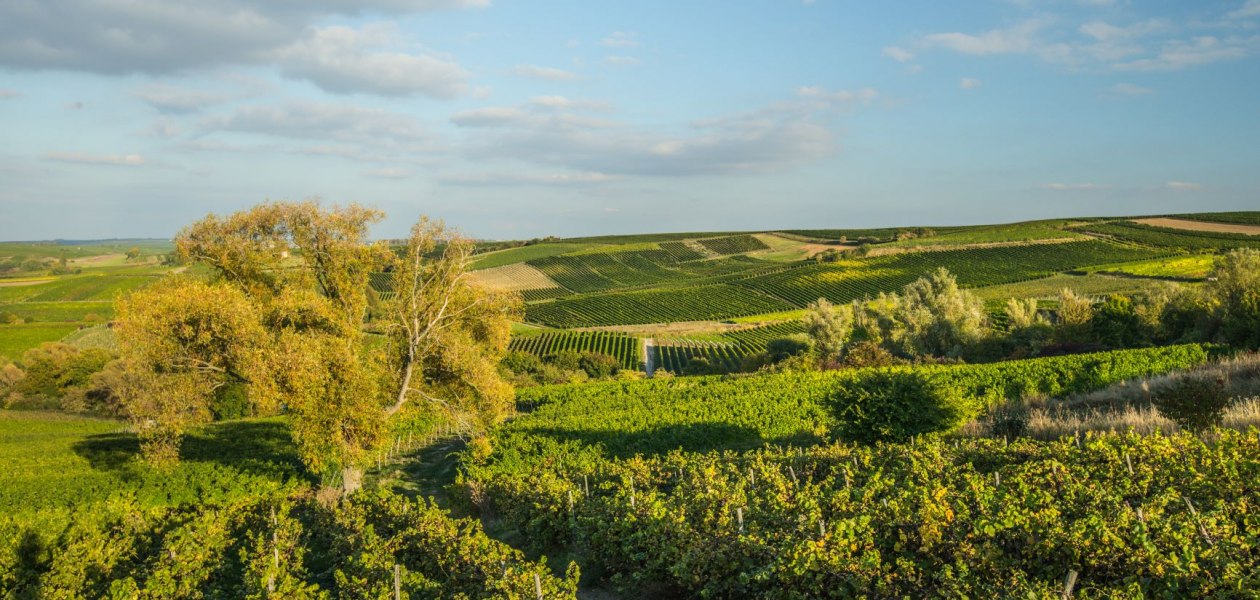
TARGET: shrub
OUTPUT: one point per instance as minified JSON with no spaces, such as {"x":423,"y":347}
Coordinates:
{"x":517,"y":361}
{"x":1009,"y":420}
{"x":890,"y":405}
{"x":780,"y":349}
{"x":868,"y":354}
{"x":1195,"y":402}
{"x":599,"y":365}
{"x":231,"y":402}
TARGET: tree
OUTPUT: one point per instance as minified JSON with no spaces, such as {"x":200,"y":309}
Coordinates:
{"x":132,"y":253}
{"x":829,"y":326}
{"x":938,"y":317}
{"x":180,"y":340}
{"x":1234,"y":289}
{"x":1072,"y":319}
{"x":1021,"y":314}
{"x":1117,"y":324}
{"x":283,"y":323}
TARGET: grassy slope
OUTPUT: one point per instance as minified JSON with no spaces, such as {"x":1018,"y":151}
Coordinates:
{"x":56,"y":464}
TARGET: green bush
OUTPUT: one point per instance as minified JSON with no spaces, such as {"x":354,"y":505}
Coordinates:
{"x":894,"y":405}
{"x":231,"y":402}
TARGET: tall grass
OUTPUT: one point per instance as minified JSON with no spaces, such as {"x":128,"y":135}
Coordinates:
{"x":1127,"y":406}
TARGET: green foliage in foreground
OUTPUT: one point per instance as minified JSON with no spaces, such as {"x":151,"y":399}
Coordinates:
{"x":81,"y":517}
{"x":1163,"y":517}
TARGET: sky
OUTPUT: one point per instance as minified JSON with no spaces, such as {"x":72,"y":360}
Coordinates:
{"x":513,"y":119}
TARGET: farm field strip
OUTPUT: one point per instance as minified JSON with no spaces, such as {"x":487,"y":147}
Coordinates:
{"x":703,"y":303}
{"x":1207,"y":226}
{"x":849,"y":280}
{"x":627,"y":349}
{"x":1160,"y":237}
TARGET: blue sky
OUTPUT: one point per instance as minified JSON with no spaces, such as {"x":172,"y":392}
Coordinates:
{"x":515,"y":119}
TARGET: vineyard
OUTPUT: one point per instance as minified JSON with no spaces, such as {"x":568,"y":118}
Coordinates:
{"x":235,"y":520}
{"x":734,"y":244}
{"x":724,"y":351}
{"x":849,"y":280}
{"x":1131,"y":516}
{"x":1129,"y":231}
{"x":625,"y":348}
{"x":736,"y":487}
{"x":1239,"y":218}
{"x":655,"y":306}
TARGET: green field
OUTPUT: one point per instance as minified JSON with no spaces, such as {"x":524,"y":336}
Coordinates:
{"x":17,"y":339}
{"x":80,"y":517}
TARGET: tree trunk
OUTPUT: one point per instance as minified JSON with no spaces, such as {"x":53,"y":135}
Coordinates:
{"x":351,"y":480}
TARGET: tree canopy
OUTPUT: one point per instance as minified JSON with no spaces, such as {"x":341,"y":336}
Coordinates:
{"x":284,"y":316}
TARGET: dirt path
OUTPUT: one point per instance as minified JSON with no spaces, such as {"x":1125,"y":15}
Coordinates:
{"x":649,"y":346}
{"x":1201,"y":226}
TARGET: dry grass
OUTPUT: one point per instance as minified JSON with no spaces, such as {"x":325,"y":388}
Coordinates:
{"x":515,"y":277}
{"x":1127,"y":406}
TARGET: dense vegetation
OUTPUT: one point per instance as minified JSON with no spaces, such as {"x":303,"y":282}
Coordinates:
{"x":1132,"y":516}
{"x":79,"y":517}
{"x":625,"y":348}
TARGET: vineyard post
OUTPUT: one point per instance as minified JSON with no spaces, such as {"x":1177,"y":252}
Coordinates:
{"x":792,"y":472}
{"x":822,"y":527}
{"x":1068,"y":583}
{"x":538,"y":586}
{"x":1129,"y":463}
{"x":397,"y":583}
{"x":739,"y":516}
{"x":586,"y":485}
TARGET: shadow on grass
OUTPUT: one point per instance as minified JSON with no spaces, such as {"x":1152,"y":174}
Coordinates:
{"x":260,"y":447}
{"x":690,"y":437}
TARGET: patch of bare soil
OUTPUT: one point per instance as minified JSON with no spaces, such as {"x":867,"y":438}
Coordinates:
{"x":1201,"y":226}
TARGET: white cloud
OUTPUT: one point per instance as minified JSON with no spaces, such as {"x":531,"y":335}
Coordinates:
{"x":1129,"y":89}
{"x":164,"y":128}
{"x":1180,"y":54}
{"x":967,"y":83}
{"x":622,"y":61}
{"x":387,"y":173}
{"x":561,"y":102}
{"x":345,"y":60}
{"x":178,"y":36}
{"x":514,"y":179}
{"x":359,"y":126}
{"x":775,"y":137}
{"x":1246,"y":11}
{"x":898,"y":54}
{"x":544,"y":73}
{"x":1182,"y":185}
{"x":621,"y":39}
{"x":1070,"y":186}
{"x":1018,"y":39}
{"x":490,"y":117}
{"x":178,"y":100}
{"x":840,"y":98}
{"x":117,"y":160}
{"x":9,"y":94}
